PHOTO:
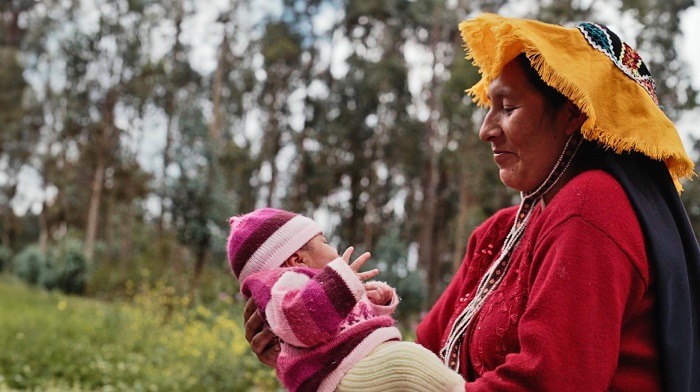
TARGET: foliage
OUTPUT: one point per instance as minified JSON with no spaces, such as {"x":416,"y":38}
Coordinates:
{"x":62,"y":267}
{"x":30,"y":264}
{"x":162,"y":343}
{"x":391,"y":257}
{"x":67,"y":269}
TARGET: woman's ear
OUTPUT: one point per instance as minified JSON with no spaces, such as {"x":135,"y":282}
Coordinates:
{"x":575,"y":118}
{"x":295,"y":260}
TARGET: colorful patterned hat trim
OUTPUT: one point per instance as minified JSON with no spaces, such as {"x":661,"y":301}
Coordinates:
{"x":622,"y":55}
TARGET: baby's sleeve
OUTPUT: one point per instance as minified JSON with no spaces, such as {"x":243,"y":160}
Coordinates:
{"x":305,"y":307}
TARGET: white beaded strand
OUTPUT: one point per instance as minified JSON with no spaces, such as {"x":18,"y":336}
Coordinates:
{"x":494,"y":275}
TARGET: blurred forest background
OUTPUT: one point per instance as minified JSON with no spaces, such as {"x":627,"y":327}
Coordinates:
{"x":139,"y":146}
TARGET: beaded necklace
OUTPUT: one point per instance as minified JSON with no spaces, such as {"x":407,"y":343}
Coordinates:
{"x":493,"y":276}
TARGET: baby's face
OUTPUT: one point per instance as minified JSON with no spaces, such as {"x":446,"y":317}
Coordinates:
{"x":318,"y":252}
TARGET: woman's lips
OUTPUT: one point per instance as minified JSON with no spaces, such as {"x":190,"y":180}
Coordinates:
{"x":502,"y":157}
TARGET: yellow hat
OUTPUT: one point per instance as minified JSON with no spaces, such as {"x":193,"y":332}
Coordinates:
{"x":603,"y":76}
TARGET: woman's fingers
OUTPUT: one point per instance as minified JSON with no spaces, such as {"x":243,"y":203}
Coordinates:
{"x":266,"y":347}
{"x":262,"y":340}
{"x":250,"y":308}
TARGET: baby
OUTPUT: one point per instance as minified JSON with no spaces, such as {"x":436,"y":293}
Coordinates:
{"x":336,"y":332}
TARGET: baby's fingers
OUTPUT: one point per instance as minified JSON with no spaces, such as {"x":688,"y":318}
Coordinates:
{"x":357,"y":264}
{"x":346,"y":255}
{"x":367,"y":274}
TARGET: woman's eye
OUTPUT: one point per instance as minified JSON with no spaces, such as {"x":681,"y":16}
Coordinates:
{"x":509,"y":109}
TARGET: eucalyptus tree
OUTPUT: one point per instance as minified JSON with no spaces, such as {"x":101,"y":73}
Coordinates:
{"x":191,"y":190}
{"x":233,"y":94}
{"x":89,"y":63}
{"x":364,"y":120}
{"x":19,"y":128}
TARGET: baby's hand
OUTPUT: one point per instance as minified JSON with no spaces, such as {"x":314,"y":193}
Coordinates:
{"x":357,"y":264}
{"x":379,"y":293}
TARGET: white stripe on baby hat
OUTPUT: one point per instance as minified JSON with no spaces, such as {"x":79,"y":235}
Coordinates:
{"x":281,"y":244}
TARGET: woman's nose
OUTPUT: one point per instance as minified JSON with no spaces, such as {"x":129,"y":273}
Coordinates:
{"x":489,"y":128}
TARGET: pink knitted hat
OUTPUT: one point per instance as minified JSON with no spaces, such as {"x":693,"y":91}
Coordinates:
{"x":265,"y":238}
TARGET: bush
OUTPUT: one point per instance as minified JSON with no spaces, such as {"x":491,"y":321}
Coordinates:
{"x":30,"y":263}
{"x":63,"y":267}
{"x":67,"y":271}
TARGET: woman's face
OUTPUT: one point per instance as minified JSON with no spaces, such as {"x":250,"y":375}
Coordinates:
{"x":526,"y":136}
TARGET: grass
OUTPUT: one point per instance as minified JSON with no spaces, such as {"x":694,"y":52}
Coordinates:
{"x":158,"y":342}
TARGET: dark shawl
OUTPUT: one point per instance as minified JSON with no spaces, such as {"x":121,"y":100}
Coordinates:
{"x":674,"y":255}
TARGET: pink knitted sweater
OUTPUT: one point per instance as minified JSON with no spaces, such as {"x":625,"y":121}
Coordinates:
{"x":324,"y":320}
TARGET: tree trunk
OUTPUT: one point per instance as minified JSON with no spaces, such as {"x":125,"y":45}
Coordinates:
{"x":200,"y":260}
{"x":465,"y":201}
{"x":216,"y":122}
{"x":169,"y":108}
{"x":103,"y":148}
{"x":94,"y":208}
{"x":5,"y":213}
{"x":425,"y":251}
{"x":43,"y":228}
{"x":127,"y":239}
{"x":427,"y":237}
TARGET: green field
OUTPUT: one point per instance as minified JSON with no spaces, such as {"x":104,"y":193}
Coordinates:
{"x":158,"y":341}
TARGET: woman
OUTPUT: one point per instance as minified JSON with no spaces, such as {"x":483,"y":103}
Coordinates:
{"x":571,"y":290}
{"x":592,"y":282}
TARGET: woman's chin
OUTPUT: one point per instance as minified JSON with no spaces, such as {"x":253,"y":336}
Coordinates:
{"x":507,"y":179}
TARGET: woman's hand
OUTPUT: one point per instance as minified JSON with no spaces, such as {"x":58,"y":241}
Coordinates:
{"x":357,"y":264}
{"x":262,"y":340}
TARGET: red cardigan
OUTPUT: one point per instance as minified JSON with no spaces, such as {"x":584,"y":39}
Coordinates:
{"x":575,"y":310}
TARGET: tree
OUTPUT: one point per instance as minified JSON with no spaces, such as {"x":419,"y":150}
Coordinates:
{"x":19,"y":130}
{"x":192,"y":191}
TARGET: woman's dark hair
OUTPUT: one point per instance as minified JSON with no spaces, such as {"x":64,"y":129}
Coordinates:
{"x":554,"y":97}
